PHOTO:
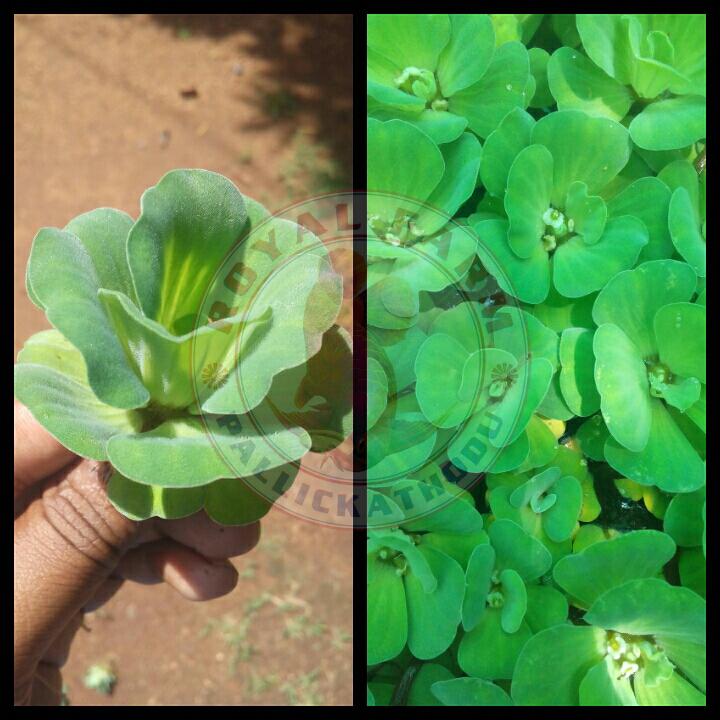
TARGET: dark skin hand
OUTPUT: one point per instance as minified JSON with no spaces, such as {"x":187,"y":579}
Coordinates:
{"x":73,"y":551}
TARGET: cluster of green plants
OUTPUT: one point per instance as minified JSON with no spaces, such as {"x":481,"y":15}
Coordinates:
{"x":536,"y":360}
{"x":191,"y":348}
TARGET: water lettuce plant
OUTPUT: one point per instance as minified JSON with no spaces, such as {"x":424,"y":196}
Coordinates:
{"x":190,"y":348}
{"x":536,"y":369}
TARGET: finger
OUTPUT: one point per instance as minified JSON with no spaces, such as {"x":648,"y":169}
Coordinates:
{"x":186,"y":571}
{"x":66,"y":545}
{"x":47,"y":686}
{"x":208,"y":538}
{"x":37,"y":454}
{"x":106,"y":591}
{"x":201,"y":533}
{"x":57,"y":653}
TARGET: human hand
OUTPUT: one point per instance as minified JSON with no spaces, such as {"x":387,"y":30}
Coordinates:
{"x":73,"y":551}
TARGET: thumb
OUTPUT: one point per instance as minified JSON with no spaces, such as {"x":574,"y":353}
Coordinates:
{"x":67,"y":543}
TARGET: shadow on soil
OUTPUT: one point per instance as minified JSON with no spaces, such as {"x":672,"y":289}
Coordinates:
{"x":308,"y":61}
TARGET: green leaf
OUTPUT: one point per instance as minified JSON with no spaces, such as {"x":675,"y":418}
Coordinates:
{"x":540,"y":484}
{"x":399,"y":444}
{"x":317,"y":395}
{"x":528,"y":280}
{"x":605,"y":39}
{"x":64,"y":279}
{"x":668,"y":461}
{"x":439,"y":125}
{"x":685,"y":230}
{"x":478,"y":576}
{"x":203,"y":450}
{"x":560,"y":520}
{"x":152,"y":350}
{"x":188,"y":223}
{"x":601,"y":687}
{"x":409,"y":39}
{"x":381,"y":510}
{"x":517,"y":550}
{"x":433,"y":617}
{"x":650,"y":607}
{"x":442,"y":511}
{"x":670,"y":124}
{"x":647,"y":199}
{"x":501,"y":148}
{"x":689,"y":657}
{"x":429,"y":675}
{"x":673,"y":691}
{"x":386,"y":614}
{"x":588,"y":212}
{"x":458,"y":547}
{"x":631,"y":299}
{"x":579,"y":268}
{"x":691,"y":564}
{"x":558,"y":312}
{"x":591,"y":437}
{"x":377,"y":390}
{"x":467,"y":691}
{"x":103,"y":233}
{"x":488,"y":651}
{"x":578,"y":84}
{"x":239,"y":501}
{"x":51,"y":380}
{"x":515,"y":601}
{"x":406,"y":162}
{"x":513,"y":412}
{"x":602,"y":566}
{"x":502,"y":88}
{"x":417,"y":563}
{"x":588,"y":149}
{"x":448,"y":402}
{"x":462,"y":162}
{"x":553,"y":664}
{"x":577,"y":371}
{"x":621,"y":379}
{"x":50,"y":349}
{"x":542,"y":444}
{"x":529,"y":190}
{"x":468,"y":54}
{"x":140,"y":502}
{"x":539,"y":58}
{"x":546,"y":607}
{"x":290,"y":338}
{"x":683,"y":519}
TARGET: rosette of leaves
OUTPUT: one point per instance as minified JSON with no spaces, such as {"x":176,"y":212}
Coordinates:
{"x":559,"y":231}
{"x":649,"y":69}
{"x":644,"y":641}
{"x":444,"y":73}
{"x":548,"y":506}
{"x":650,"y":373}
{"x":415,"y":590}
{"x":482,"y":373}
{"x":193,"y":404}
{"x":415,"y":187}
{"x":504,"y":602}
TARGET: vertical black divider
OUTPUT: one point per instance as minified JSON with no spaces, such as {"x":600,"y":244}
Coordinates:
{"x":359,"y":359}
